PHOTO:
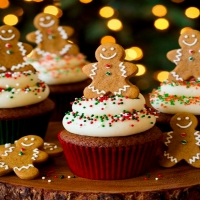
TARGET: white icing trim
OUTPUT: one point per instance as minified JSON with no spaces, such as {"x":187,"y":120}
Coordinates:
{"x":3,"y":68}
{"x":65,"y":49}
{"x":96,"y":90}
{"x":108,"y":58}
{"x":21,"y":65}
{"x":10,"y":38}
{"x":122,"y":69}
{"x":62,"y":32}
{"x":176,"y":76}
{"x":194,"y":158}
{"x":47,"y":25}
{"x":93,"y":70}
{"x":179,"y":54}
{"x":35,"y":155}
{"x":21,"y":48}
{"x":8,"y":151}
{"x":121,"y":89}
{"x":23,"y":167}
{"x":43,"y":53}
{"x":168,"y":138}
{"x":3,"y":165}
{"x":38,"y":37}
{"x":27,"y":145}
{"x":197,"y":138}
{"x":172,"y":159}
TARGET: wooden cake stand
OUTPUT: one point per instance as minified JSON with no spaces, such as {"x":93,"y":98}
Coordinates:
{"x":181,"y":182}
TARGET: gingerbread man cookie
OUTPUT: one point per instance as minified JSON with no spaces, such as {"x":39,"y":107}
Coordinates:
{"x":12,"y":52}
{"x":52,"y":149}
{"x":187,"y":58}
{"x":110,"y":74}
{"x":183,"y":142}
{"x":21,"y":157}
{"x":51,"y":39}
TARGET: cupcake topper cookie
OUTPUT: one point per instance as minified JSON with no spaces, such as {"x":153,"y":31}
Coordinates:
{"x":50,"y":37}
{"x":183,"y":142}
{"x":110,"y":74}
{"x":187,"y":57}
{"x":21,"y":156}
{"x":12,"y":51}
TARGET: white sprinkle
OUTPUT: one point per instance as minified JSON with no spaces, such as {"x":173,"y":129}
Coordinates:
{"x":156,"y":178}
{"x":49,"y":181}
{"x":43,"y":177}
{"x":7,"y":145}
{"x":68,"y":176}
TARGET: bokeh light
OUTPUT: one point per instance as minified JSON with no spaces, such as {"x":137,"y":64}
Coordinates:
{"x":85,"y":1}
{"x":107,"y":38}
{"x":4,"y":4}
{"x":139,"y":52}
{"x":141,"y":70}
{"x":161,"y":23}
{"x":10,"y":19}
{"x":51,"y":10}
{"x":106,"y":12}
{"x":115,"y":24}
{"x":159,"y":10}
{"x":192,"y":12}
{"x":130,"y":54}
{"x":185,"y":29}
{"x":161,"y":75}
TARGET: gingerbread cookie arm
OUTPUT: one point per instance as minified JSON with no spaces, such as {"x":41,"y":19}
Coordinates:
{"x":73,"y":50}
{"x":31,"y":37}
{"x":39,"y":156}
{"x":28,"y":48}
{"x":178,"y":74}
{"x":130,"y":69}
{"x":174,"y":55}
{"x":26,"y":172}
{"x":69,"y":30}
{"x":90,"y":69}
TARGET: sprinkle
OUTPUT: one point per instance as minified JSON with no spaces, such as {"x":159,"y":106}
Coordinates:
{"x":62,"y":176}
{"x":43,"y":177}
{"x":156,"y":178}
{"x":68,"y":176}
{"x":49,"y":181}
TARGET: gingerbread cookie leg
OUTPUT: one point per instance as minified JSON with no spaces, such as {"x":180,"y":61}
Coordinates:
{"x":168,"y":160}
{"x":4,"y":169}
{"x":195,"y":160}
{"x":26,"y":171}
{"x":93,"y":92}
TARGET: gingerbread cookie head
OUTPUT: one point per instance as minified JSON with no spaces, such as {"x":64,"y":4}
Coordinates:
{"x":110,"y":75}
{"x":9,"y":34}
{"x":30,"y":141}
{"x":45,"y":21}
{"x":182,"y":142}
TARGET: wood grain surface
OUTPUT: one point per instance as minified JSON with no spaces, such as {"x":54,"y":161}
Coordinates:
{"x":180,"y":182}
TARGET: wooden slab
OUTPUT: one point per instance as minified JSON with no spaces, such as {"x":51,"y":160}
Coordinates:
{"x":180,"y":182}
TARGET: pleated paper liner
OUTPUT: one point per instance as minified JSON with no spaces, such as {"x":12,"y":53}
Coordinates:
{"x":109,"y":163}
{"x":12,"y":130}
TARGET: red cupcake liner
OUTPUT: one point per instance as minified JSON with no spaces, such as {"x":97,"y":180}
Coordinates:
{"x":109,"y":163}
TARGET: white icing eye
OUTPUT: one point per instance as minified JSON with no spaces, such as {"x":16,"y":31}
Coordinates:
{"x":26,"y":139}
{"x":178,"y":118}
{"x":186,"y":36}
{"x":3,"y":31}
{"x":103,"y":49}
{"x":193,"y":35}
{"x":32,"y":139}
{"x":41,"y":19}
{"x":48,"y":17}
{"x":10,"y":31}
{"x":112,"y":48}
{"x":187,"y":118}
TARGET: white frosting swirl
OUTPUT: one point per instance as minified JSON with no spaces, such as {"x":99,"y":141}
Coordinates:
{"x":21,"y":89}
{"x":109,"y":117}
{"x":173,"y":97}
{"x":55,"y":70}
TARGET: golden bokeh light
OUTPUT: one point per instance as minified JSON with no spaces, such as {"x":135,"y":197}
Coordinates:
{"x":141,"y":70}
{"x":139,"y":52}
{"x":159,"y":10}
{"x":143,"y":84}
{"x":192,"y":12}
{"x":10,"y":19}
{"x":107,"y":38}
{"x":161,"y":23}
{"x":4,"y":4}
{"x":130,"y":54}
{"x":85,"y":1}
{"x":51,"y":10}
{"x":161,"y":75}
{"x":115,"y":24}
{"x":106,"y":12}
{"x":38,"y":0}
{"x":185,"y":29}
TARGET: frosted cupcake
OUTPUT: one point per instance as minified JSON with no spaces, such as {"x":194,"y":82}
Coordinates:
{"x":24,"y":106}
{"x":58,"y":61}
{"x":180,"y":92}
{"x":110,"y":132}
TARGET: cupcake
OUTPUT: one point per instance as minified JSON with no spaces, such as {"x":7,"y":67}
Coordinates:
{"x":24,"y":104}
{"x":58,"y":62}
{"x":180,"y":92}
{"x":110,"y":133}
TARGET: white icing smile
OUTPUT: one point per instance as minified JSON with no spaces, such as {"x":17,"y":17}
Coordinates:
{"x":26,"y":145}
{"x":107,"y":58}
{"x":190,"y":44}
{"x":186,"y":126}
{"x":8,"y":38}
{"x":42,"y":24}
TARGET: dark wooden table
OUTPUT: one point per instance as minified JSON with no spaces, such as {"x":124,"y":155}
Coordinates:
{"x":180,"y":182}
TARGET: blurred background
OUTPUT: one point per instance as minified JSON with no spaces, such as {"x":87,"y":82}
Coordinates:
{"x":146,"y":29}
